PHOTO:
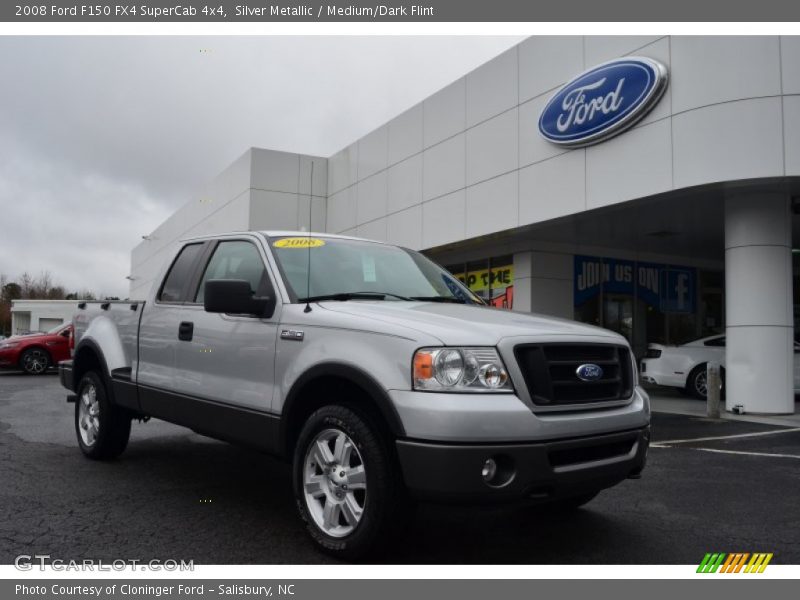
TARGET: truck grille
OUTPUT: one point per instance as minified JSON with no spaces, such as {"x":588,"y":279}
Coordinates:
{"x":551,"y":372}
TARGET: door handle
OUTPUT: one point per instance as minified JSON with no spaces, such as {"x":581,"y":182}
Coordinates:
{"x":186,"y":331}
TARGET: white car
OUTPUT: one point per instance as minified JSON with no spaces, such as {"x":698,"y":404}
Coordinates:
{"x":685,"y":366}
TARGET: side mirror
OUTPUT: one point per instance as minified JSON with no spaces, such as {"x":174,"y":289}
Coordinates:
{"x":234,"y":296}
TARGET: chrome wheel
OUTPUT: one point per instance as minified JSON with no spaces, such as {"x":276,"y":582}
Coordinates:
{"x":701,"y":383}
{"x":89,"y":415}
{"x":35,"y":361}
{"x":334,"y":483}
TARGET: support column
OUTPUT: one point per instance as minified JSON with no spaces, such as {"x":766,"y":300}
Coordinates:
{"x":543,"y":283}
{"x":758,"y":301}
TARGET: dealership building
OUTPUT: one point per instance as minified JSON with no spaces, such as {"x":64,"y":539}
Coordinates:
{"x":644,"y":184}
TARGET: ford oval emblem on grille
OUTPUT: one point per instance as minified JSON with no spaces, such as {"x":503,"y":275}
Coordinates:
{"x":589,"y":372}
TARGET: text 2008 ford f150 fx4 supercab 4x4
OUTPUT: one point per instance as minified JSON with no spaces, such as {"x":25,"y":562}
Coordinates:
{"x":377,"y":373}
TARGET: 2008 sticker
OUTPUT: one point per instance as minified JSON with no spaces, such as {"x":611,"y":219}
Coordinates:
{"x":299,"y":242}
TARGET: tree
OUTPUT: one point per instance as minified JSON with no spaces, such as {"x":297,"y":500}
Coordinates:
{"x":26,"y":285}
{"x":11,"y":291}
{"x":8,"y":291}
{"x":57,"y":293}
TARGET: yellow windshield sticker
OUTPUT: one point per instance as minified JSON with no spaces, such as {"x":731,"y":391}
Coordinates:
{"x":299,"y":242}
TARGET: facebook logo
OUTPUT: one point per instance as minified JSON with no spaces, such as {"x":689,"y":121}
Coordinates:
{"x":678,"y":292}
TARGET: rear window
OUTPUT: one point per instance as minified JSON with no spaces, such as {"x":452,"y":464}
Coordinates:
{"x":179,"y":274}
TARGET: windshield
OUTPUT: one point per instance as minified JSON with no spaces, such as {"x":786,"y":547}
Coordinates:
{"x":353,"y":267}
{"x":55,"y":329}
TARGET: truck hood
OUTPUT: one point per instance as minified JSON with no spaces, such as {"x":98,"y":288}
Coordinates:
{"x":460,"y":324}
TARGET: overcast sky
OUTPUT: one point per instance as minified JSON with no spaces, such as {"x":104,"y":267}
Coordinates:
{"x":102,"y":138}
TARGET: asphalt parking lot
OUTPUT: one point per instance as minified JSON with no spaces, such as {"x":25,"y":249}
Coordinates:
{"x":177,"y":495}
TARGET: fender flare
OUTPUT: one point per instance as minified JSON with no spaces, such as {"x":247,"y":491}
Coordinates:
{"x":90,"y":344}
{"x":352,"y":374}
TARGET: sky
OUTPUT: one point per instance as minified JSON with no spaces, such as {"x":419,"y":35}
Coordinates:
{"x":102,"y":138}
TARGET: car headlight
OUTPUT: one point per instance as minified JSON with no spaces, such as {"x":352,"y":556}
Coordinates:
{"x":8,"y":345}
{"x":460,"y":370}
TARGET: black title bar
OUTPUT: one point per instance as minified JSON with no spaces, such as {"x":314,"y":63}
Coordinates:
{"x":400,"y":11}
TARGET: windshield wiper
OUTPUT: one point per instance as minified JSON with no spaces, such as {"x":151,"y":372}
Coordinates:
{"x":342,"y":296}
{"x":451,"y":299}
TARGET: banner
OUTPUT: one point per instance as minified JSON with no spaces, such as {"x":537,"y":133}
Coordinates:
{"x":669,"y":288}
{"x":495,"y":285}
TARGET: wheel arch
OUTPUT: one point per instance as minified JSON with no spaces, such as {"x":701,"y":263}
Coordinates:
{"x":89,"y":357}
{"x":367,"y":396}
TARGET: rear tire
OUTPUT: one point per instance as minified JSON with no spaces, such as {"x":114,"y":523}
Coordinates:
{"x":697,"y":380}
{"x":102,"y":429}
{"x":347,"y":487}
{"x":35,"y":361}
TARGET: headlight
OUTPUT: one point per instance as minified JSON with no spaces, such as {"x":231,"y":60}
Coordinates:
{"x":8,"y":345}
{"x":460,"y":370}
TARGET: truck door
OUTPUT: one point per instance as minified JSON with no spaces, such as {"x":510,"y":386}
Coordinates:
{"x":159,"y":327}
{"x":229,"y":360}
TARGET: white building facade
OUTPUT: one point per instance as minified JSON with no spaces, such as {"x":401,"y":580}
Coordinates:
{"x":679,"y":227}
{"x":40,"y":315}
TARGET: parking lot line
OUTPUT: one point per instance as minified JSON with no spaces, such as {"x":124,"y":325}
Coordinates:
{"x":727,"y":437}
{"x":718,"y":451}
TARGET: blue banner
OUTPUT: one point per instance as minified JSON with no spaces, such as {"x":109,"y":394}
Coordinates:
{"x":666,"y":287}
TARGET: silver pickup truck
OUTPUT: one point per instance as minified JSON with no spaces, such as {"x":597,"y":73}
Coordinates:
{"x":379,"y":375}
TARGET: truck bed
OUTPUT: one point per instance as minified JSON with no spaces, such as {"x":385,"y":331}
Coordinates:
{"x":107,"y":316}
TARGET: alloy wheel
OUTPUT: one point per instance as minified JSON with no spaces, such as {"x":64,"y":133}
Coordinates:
{"x":35,"y":361}
{"x":334,"y":483}
{"x":89,"y":415}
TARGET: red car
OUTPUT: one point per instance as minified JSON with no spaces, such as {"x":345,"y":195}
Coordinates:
{"x":34,"y":353}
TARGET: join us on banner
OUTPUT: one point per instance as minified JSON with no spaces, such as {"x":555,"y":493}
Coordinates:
{"x":669,"y":288}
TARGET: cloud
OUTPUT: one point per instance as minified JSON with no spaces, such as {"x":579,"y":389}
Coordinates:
{"x":79,"y":225}
{"x":101,"y":138}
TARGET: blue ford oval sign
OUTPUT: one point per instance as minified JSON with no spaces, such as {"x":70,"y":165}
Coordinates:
{"x":589,"y":372}
{"x":603,"y":102}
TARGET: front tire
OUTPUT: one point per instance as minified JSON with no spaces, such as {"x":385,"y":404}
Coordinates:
{"x":35,"y":361}
{"x":347,"y":490}
{"x":102,"y":429}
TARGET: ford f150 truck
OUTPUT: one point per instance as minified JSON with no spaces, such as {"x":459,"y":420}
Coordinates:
{"x":379,"y":375}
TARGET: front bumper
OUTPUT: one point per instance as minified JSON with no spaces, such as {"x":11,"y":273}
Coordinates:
{"x":8,"y":359}
{"x":538,"y":471}
{"x":505,"y":418}
{"x":65,"y":374}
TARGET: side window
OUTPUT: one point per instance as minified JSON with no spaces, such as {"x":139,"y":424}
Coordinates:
{"x":717,"y":342}
{"x":236,"y":260}
{"x":179,"y":273}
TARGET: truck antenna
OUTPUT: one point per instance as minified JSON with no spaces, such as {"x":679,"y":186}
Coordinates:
{"x":308,"y":241}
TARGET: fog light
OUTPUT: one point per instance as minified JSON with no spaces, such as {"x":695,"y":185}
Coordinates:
{"x":489,"y":470}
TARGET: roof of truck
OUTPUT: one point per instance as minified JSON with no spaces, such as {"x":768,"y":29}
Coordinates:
{"x":278,"y":233}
